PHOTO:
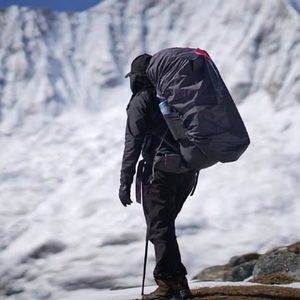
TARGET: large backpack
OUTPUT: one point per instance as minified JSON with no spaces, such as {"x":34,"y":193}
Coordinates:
{"x":201,"y":114}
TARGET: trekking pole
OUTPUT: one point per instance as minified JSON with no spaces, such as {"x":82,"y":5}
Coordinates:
{"x":145,"y":262}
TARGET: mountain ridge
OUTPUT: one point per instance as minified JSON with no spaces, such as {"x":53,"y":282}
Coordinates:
{"x":68,"y":59}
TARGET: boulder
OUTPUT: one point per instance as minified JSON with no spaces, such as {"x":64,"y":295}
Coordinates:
{"x":284,"y":260}
{"x":294,"y":248}
{"x":238,"y":260}
{"x":280,"y":261}
{"x":240,"y":272}
{"x":238,"y":268}
{"x":214,"y":273}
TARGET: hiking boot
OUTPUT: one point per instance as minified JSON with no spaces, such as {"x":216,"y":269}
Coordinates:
{"x":181,"y":285}
{"x":165,"y":291}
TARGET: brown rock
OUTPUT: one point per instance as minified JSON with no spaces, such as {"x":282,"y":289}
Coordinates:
{"x":214,"y":273}
{"x":294,"y":248}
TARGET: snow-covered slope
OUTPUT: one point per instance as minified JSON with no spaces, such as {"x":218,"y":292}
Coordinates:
{"x":62,"y":110}
{"x":51,"y":62}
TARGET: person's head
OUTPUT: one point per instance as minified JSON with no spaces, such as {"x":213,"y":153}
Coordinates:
{"x":137,"y":74}
{"x":139,"y":65}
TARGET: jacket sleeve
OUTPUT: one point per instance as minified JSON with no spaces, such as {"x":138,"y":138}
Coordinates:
{"x":136,"y":129}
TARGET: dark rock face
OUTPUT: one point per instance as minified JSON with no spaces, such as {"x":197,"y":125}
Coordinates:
{"x":238,"y":260}
{"x":239,"y":268}
{"x":282,"y":261}
{"x":240,"y":272}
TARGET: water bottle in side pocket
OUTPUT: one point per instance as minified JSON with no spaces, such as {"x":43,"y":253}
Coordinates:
{"x":165,"y":108}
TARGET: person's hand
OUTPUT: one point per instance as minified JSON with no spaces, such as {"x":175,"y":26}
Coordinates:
{"x":124,"y":195}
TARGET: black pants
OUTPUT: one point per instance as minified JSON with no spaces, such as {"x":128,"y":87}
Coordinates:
{"x":163,"y":198}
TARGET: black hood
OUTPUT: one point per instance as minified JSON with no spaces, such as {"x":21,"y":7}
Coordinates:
{"x":139,"y":65}
{"x":137,"y":74}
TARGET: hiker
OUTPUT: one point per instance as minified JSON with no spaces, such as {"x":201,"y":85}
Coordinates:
{"x":163,"y":193}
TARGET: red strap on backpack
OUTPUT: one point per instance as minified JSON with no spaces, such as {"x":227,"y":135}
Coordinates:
{"x":203,"y":53}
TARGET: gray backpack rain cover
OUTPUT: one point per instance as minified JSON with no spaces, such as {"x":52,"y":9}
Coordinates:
{"x":205,"y":120}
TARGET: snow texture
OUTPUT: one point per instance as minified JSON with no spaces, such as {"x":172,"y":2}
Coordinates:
{"x":62,"y":110}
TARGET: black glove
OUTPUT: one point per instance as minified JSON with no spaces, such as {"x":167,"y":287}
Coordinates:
{"x":124,"y":195}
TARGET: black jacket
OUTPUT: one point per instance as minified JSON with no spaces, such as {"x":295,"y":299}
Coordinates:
{"x":145,"y":124}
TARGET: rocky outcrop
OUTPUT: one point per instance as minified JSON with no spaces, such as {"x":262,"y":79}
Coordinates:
{"x":238,"y":260}
{"x":240,"y":272}
{"x":283,"y":261}
{"x":237,"y":269}
{"x":214,"y":273}
{"x":295,"y":248}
